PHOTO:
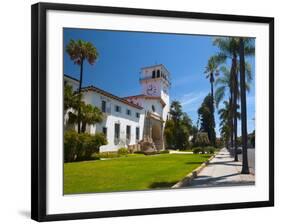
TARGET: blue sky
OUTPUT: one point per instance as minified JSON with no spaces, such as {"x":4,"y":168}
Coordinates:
{"x":122,"y":54}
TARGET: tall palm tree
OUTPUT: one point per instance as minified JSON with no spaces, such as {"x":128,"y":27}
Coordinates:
{"x":79,"y":51}
{"x":211,"y":70}
{"x":229,"y":48}
{"x":249,"y":48}
{"x":225,"y":119}
{"x":224,"y":86}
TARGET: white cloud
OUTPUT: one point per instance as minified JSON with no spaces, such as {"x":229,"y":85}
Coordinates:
{"x":192,"y":101}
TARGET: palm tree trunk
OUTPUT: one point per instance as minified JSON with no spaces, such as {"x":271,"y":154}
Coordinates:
{"x":213,"y":139}
{"x":235,"y":93}
{"x":235,"y":117}
{"x":79,"y":90}
{"x":245,"y":167}
{"x":231,"y":101}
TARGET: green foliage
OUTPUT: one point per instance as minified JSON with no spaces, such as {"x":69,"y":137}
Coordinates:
{"x":178,"y":128}
{"x":197,"y":150}
{"x":207,"y":120}
{"x":202,"y":139}
{"x":88,"y":115}
{"x":107,"y":155}
{"x":123,"y":151}
{"x":71,"y":99}
{"x":210,"y":149}
{"x":80,"y":50}
{"x":81,"y":146}
{"x":70,"y":145}
{"x":89,"y":144}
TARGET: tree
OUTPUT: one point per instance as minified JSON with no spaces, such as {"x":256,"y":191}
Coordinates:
{"x":207,"y":122}
{"x":229,"y":49}
{"x":249,"y":48}
{"x":211,"y":70}
{"x":88,"y":115}
{"x":202,"y":139}
{"x":71,"y":100}
{"x":79,"y":51}
{"x":177,"y":128}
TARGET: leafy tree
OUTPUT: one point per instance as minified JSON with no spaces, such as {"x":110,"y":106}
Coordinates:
{"x":178,"y":128}
{"x":79,"y":51}
{"x":207,"y":122}
{"x":202,"y":139}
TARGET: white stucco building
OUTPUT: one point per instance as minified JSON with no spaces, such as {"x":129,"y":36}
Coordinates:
{"x":131,"y":120}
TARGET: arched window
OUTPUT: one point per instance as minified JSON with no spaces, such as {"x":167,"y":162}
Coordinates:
{"x":153,"y":108}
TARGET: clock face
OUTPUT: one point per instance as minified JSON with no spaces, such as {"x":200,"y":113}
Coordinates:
{"x":151,"y":90}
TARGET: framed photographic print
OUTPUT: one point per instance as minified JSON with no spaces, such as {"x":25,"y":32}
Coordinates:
{"x":139,"y":111}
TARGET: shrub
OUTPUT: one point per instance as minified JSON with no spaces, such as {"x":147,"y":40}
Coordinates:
{"x":202,"y":139}
{"x":123,"y":151}
{"x":91,"y":144}
{"x":107,"y":155}
{"x":71,"y":142}
{"x":138,"y":152}
{"x":210,"y":149}
{"x":197,"y":150}
{"x":81,"y":146}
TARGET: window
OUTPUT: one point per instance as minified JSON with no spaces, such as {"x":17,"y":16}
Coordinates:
{"x":153,"y":74}
{"x":128,"y":112}
{"x":104,"y":131}
{"x":128,"y":132}
{"x":137,"y":114}
{"x":137,"y":133}
{"x":158,"y":73}
{"x":153,"y":108}
{"x":117,"y":131}
{"x":118,"y":108}
{"x":103,"y":106}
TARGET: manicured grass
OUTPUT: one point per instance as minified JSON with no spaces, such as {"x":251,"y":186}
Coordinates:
{"x":129,"y":173}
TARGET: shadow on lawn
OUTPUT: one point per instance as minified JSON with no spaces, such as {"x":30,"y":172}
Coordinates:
{"x":163,"y":184}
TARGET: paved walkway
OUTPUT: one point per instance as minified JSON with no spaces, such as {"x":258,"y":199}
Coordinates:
{"x":222,"y":171}
{"x":179,"y":152}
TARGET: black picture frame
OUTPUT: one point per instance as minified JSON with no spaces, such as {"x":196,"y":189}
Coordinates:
{"x":39,"y":122}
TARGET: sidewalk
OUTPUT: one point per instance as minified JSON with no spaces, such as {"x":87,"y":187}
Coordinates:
{"x":221,"y":171}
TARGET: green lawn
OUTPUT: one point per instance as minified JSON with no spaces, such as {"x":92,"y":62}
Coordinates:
{"x":129,"y":173}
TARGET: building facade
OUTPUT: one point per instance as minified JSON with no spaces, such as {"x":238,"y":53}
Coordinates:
{"x":130,"y":121}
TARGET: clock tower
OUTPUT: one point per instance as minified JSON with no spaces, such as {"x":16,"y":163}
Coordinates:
{"x":155,"y":82}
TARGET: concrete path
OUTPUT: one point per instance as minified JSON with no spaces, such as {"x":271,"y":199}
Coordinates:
{"x":179,"y":152}
{"x":221,"y":171}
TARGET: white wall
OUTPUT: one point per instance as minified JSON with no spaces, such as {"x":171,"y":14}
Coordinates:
{"x":15,"y":112}
{"x":111,"y":117}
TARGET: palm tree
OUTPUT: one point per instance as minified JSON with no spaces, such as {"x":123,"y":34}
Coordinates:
{"x":225,"y":119}
{"x":250,"y":50}
{"x":79,"y":51}
{"x":228,"y":50}
{"x":211,"y":70}
{"x":70,"y":99}
{"x":88,"y":115}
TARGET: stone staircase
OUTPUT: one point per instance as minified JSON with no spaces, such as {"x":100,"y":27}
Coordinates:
{"x":147,"y":145}
{"x":158,"y":145}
